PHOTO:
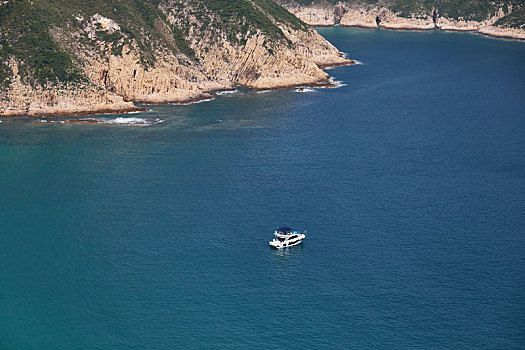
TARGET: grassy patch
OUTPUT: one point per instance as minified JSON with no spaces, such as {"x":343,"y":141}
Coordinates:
{"x":26,"y":37}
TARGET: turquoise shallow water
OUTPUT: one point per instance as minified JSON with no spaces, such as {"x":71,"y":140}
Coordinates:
{"x":410,"y":180}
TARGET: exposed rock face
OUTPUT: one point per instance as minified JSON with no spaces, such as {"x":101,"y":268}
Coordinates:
{"x":365,"y":16}
{"x":314,"y":15}
{"x":362,"y":18}
{"x":166,"y":81}
{"x":116,"y":75}
{"x":389,"y":20}
{"x":465,"y":25}
{"x":371,"y":16}
{"x":384,"y":18}
{"x":25,"y":100}
{"x":317,"y":49}
{"x":504,"y":33}
{"x":256,"y":66}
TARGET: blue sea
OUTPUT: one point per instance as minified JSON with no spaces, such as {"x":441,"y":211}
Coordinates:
{"x":152,"y":233}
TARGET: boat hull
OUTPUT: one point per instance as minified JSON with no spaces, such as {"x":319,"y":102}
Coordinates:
{"x":277,"y":244}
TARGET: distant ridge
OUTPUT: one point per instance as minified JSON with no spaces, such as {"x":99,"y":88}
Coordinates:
{"x":504,"y":19}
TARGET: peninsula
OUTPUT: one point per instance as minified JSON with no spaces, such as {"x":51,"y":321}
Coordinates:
{"x":69,"y":57}
{"x":501,"y":19}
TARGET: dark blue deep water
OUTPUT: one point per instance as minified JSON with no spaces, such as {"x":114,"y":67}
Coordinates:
{"x":410,"y":180}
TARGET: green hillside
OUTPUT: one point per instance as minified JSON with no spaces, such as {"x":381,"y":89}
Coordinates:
{"x":27,"y":28}
{"x":477,"y":10}
{"x":516,"y":19}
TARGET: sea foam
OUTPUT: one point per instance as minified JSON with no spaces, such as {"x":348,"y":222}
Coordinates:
{"x":50,"y":121}
{"x":133,"y":121}
{"x":305,"y":90}
{"x":193,"y":102}
{"x":226,"y":92}
{"x":333,"y":84}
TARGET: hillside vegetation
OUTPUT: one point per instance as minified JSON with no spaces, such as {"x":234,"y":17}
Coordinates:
{"x":84,"y":56}
{"x":476,"y":10}
{"x":27,"y":28}
{"x":516,"y":19}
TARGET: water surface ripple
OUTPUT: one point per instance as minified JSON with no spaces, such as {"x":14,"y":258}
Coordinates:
{"x":409,"y":178}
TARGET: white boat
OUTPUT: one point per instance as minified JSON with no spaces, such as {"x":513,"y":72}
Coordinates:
{"x":286,"y":237}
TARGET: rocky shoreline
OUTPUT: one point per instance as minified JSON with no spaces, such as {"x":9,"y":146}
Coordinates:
{"x":116,"y":83}
{"x":381,"y":17}
{"x":177,"y":52}
{"x":123,"y":107}
{"x":492,"y":32}
{"x":80,"y":113}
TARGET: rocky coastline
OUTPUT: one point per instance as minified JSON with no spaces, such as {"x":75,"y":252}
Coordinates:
{"x":64,"y":102}
{"x":116,"y":77}
{"x":370,"y":17}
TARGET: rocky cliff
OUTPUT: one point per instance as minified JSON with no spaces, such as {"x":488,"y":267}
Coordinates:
{"x":72,"y":57}
{"x":504,"y":19}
